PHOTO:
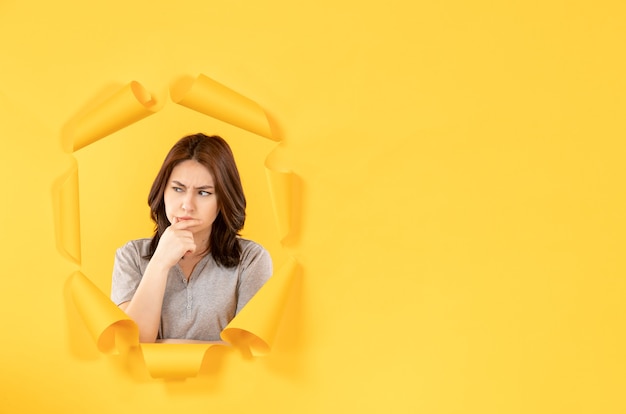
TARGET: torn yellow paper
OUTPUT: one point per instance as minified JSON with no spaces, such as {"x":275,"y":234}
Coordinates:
{"x":109,"y":326}
{"x":66,"y":213}
{"x":281,"y":186}
{"x":174,"y":360}
{"x":256,"y":324}
{"x":216,"y":100}
{"x":254,"y":327}
{"x":127,"y":106}
{"x":284,"y":192}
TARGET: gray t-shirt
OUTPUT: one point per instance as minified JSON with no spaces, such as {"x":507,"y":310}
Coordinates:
{"x":201,"y":307}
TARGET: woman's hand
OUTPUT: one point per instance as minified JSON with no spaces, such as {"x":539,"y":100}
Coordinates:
{"x":176,"y":241}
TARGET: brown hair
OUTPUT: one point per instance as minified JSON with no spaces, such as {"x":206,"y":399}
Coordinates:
{"x":215,"y":154}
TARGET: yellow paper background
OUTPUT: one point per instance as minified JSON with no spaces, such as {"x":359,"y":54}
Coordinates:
{"x":460,"y":217}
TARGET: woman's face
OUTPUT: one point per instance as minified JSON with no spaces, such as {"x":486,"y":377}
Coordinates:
{"x":190,"y":194}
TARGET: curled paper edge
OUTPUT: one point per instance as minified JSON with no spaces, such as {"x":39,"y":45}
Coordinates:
{"x":284,"y":192}
{"x":211,"y":98}
{"x":65,"y":201}
{"x":281,"y":193}
{"x":174,"y":361}
{"x":128,"y":105}
{"x":256,"y":325}
{"x":254,"y":328}
{"x":103,"y":319}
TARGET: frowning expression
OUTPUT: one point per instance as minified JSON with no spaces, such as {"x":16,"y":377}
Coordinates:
{"x":190,"y":194}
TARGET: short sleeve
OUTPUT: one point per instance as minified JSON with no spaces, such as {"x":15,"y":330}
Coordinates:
{"x":127,"y":273}
{"x":255,"y":270}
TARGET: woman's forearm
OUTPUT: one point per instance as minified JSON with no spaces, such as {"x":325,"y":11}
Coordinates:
{"x":145,"y":306}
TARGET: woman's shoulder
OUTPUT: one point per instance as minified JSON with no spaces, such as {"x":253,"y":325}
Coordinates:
{"x":255,"y":258}
{"x":248,"y":245}
{"x":138,"y":247}
{"x":251,"y":250}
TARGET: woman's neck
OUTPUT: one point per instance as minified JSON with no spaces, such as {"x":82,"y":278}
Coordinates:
{"x":202,"y":244}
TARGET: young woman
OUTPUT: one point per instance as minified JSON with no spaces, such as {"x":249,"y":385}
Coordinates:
{"x":195,"y":274}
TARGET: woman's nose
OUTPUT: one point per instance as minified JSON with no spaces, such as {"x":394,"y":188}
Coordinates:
{"x":188,"y":204}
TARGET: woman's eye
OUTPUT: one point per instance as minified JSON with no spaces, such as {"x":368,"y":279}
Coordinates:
{"x":204,"y":193}
{"x":177,"y":189}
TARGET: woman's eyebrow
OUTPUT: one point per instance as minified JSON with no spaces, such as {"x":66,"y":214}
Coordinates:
{"x":202,"y":187}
